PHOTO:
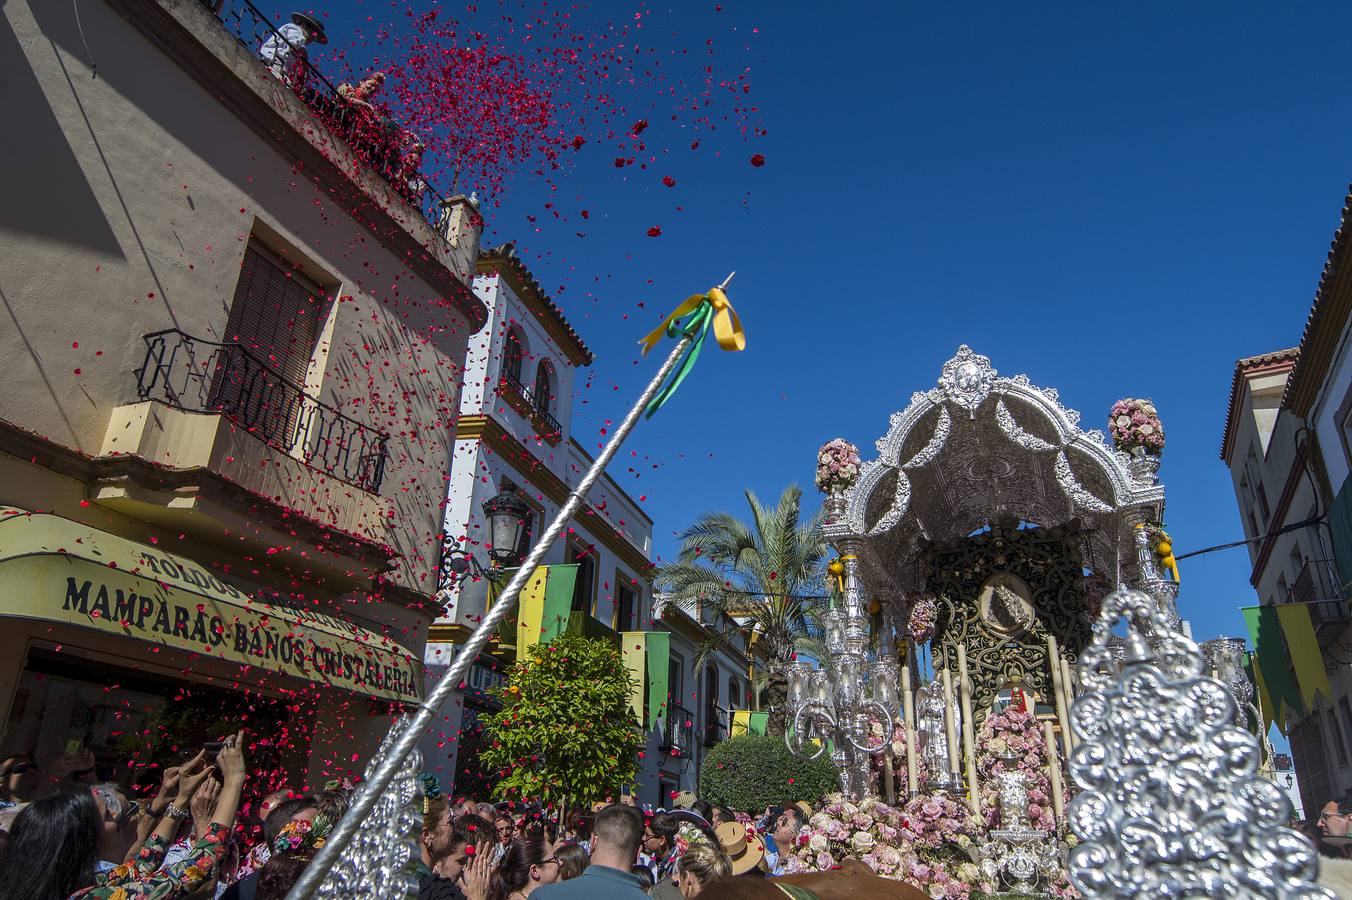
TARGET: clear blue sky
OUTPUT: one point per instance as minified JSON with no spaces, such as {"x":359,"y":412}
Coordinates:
{"x":1116,"y":200}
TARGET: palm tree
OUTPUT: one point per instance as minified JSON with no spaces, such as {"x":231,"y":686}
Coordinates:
{"x":763,"y":580}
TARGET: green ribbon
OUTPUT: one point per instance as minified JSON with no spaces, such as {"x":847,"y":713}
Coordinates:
{"x":697,"y":325}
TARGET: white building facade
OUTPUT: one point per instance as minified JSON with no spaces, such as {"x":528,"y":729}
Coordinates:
{"x":514,"y":436}
{"x":1286,"y":444}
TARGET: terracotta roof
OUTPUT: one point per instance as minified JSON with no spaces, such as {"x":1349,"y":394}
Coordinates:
{"x":1250,"y":364}
{"x":1325,"y":324}
{"x":503,"y":260}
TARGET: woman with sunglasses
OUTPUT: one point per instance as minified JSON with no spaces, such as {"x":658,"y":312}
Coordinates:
{"x":528,"y":863}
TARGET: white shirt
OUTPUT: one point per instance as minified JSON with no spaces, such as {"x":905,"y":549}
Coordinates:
{"x":278,"y":47}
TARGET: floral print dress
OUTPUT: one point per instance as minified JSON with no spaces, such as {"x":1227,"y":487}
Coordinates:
{"x":144,"y":879}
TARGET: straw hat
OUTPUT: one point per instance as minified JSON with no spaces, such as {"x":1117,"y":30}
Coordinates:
{"x":745,"y":849}
{"x":684,"y":800}
{"x":804,"y":808}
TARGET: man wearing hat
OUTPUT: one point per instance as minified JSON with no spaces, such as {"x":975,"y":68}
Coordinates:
{"x":284,"y":50}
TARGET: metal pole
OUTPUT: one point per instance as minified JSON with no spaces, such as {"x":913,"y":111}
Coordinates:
{"x":369,"y":791}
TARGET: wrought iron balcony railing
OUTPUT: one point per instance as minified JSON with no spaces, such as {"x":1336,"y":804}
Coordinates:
{"x":204,"y":376}
{"x":550,"y":428}
{"x":381,"y":142}
{"x":678,"y":731}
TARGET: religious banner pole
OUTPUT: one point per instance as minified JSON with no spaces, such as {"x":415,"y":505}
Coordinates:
{"x":698,"y":313}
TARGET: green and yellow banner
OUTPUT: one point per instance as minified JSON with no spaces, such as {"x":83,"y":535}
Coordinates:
{"x":1304,"y":651}
{"x":634,"y":652}
{"x":1273,"y":664}
{"x":544,"y":605}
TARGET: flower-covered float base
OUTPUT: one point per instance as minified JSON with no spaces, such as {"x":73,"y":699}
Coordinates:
{"x":931,"y":841}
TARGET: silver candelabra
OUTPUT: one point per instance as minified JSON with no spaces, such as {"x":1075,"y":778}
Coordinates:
{"x":840,"y":700}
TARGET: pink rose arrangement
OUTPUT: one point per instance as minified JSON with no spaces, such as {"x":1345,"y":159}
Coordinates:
{"x":1135,"y":424}
{"x":920,"y":624}
{"x":1016,"y":733}
{"x":837,"y":466}
{"x":929,"y":843}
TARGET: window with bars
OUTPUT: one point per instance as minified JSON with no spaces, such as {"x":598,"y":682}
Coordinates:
{"x":513,"y":351}
{"x":543,"y":394}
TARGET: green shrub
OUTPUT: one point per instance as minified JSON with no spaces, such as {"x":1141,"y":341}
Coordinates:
{"x":752,"y":771}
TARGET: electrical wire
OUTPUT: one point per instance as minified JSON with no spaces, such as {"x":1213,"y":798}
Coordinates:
{"x":1316,"y":520}
{"x":93,"y":66}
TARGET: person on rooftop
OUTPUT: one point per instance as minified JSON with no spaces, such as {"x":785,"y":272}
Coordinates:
{"x":284,"y":51}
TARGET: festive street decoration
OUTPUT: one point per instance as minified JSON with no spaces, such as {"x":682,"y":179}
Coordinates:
{"x":378,"y":852}
{"x":1135,"y":425}
{"x":703,"y":310}
{"x":1171,"y":803}
{"x":837,"y":466}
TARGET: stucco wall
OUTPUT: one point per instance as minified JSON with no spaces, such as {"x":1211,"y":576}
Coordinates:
{"x":129,"y":202}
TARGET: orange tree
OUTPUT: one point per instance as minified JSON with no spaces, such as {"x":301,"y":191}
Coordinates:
{"x":565,"y":734}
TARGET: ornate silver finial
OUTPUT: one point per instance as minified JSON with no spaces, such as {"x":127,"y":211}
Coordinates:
{"x":966,"y":379}
{"x":1171,"y":804}
{"x":377,"y":864}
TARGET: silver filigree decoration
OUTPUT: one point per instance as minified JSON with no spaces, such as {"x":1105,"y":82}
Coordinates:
{"x":1074,"y":490}
{"x":1011,"y":430}
{"x":935,"y":444}
{"x":378,"y":863}
{"x":966,"y":379}
{"x":901,"y":501}
{"x":1171,"y":803}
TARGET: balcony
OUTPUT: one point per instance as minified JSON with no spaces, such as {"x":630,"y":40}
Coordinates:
{"x":1317,"y":586}
{"x":523,"y":400}
{"x":678,"y":732}
{"x":214,"y":419}
{"x":227,"y":379}
{"x":385,"y":146}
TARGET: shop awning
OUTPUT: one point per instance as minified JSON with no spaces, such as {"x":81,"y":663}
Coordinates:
{"x":57,"y":570}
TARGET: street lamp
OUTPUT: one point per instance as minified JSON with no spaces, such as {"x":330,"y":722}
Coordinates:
{"x":507,"y":517}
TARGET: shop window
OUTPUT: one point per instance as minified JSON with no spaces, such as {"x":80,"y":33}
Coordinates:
{"x":735,"y":699}
{"x":136,"y":723}
{"x":584,"y":588}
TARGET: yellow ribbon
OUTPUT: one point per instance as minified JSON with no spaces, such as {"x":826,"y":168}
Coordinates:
{"x":727,"y":326}
{"x":701,"y":310}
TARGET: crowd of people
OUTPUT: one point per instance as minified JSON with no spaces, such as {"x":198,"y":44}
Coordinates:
{"x":68,"y":831}
{"x":478,"y":851}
